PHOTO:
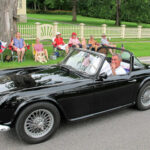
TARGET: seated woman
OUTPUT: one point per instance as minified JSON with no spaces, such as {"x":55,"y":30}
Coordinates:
{"x":19,"y":45}
{"x":59,"y":43}
{"x":74,"y":41}
{"x":92,"y":44}
{"x":39,"y":50}
{"x":83,"y":43}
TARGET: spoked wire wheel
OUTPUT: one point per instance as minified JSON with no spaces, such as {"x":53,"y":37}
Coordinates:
{"x":39,"y":123}
{"x":145,"y":98}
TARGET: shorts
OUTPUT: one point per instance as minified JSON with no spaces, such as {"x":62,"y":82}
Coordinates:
{"x":19,"y":49}
{"x":74,"y":46}
{"x":63,"y":47}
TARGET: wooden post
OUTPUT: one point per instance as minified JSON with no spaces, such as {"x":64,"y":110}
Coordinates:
{"x":82,"y":30}
{"x":123,"y":29}
{"x":139,"y":32}
{"x":38,"y":30}
{"x":55,"y":28}
{"x":104,"y":28}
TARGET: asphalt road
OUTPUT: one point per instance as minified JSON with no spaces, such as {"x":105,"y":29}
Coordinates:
{"x":126,"y":129}
{"x":145,"y":59}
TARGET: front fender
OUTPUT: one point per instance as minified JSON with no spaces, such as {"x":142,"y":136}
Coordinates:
{"x":24,"y":104}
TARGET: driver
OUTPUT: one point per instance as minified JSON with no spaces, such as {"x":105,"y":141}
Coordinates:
{"x":116,"y":68}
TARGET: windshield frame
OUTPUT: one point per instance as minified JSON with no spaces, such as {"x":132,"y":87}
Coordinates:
{"x":90,"y":52}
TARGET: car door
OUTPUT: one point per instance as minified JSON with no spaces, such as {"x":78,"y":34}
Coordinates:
{"x":77,"y":99}
{"x":115,"y":91}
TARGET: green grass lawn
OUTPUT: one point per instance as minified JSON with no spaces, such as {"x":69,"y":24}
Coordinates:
{"x":50,"y":18}
{"x":138,"y":48}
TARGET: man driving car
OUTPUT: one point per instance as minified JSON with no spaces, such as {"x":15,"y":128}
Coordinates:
{"x":116,"y":68}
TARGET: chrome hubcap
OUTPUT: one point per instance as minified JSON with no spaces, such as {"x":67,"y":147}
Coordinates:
{"x":39,"y":123}
{"x":145,"y":98}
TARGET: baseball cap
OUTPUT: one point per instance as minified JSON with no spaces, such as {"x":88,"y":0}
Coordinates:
{"x":73,"y":33}
{"x":58,"y":33}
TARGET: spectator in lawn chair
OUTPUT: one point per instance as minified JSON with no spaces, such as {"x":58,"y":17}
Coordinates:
{"x":83,"y":43}
{"x":39,"y":49}
{"x":59,"y":43}
{"x":105,"y":42}
{"x":74,"y":41}
{"x":92,"y":44}
{"x":19,"y":45}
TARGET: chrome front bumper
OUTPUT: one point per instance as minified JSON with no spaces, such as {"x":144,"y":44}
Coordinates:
{"x":4,"y":128}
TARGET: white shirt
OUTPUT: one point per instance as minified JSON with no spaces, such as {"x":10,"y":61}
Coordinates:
{"x":104,"y":41}
{"x":106,"y":68}
{"x":120,"y":71}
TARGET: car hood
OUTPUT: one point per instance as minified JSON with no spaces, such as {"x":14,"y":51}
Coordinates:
{"x":16,"y":79}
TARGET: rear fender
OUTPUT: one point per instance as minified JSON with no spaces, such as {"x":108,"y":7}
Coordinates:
{"x":142,"y":84}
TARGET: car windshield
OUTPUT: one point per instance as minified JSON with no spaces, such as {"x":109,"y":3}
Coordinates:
{"x":84,"y":61}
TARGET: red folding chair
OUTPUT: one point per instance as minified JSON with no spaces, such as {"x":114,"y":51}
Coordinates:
{"x":14,"y":52}
{"x":2,"y":48}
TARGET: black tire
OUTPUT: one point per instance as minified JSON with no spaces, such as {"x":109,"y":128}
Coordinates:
{"x":143,"y":101}
{"x":50,"y":116}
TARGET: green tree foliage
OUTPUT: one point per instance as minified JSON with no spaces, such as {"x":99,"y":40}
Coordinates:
{"x":136,"y":10}
{"x":130,"y":10}
{"x":50,"y":4}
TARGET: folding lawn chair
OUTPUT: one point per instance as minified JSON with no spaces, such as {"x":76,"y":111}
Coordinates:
{"x":2,"y":48}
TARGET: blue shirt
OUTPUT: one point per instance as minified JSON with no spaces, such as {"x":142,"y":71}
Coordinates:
{"x":18,"y":43}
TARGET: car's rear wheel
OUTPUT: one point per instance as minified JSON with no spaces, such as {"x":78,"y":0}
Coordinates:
{"x":143,"y":101}
{"x":37,"y":122}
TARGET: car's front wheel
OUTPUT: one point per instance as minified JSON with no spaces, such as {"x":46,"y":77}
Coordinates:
{"x":143,"y":101}
{"x":37,"y":122}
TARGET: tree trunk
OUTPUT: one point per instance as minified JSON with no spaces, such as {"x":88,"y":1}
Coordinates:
{"x":74,"y":10}
{"x":15,"y":16}
{"x":45,"y":8}
{"x":118,"y":21}
{"x":8,"y":11}
{"x":35,"y":5}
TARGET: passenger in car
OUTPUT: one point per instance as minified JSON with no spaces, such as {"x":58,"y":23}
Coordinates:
{"x":116,"y":67}
{"x":106,"y":68}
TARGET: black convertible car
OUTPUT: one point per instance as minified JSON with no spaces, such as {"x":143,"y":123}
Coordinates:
{"x":35,"y":99}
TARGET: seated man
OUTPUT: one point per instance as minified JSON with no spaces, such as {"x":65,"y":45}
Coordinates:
{"x":116,"y":68}
{"x":105,"y":42}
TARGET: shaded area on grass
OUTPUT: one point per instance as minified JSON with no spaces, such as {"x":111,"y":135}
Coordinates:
{"x":50,"y":18}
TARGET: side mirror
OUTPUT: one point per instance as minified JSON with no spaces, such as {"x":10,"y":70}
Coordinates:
{"x":102,"y":76}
